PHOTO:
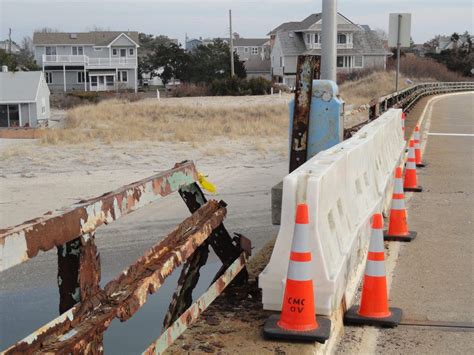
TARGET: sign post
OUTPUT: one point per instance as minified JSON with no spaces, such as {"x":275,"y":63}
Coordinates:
{"x":399,"y":36}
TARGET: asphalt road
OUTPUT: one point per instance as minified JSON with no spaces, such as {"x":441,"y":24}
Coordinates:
{"x":433,"y":278}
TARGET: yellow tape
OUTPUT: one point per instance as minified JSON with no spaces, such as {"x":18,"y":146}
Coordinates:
{"x":205,"y":184}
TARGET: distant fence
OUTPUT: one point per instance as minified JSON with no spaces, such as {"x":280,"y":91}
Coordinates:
{"x":87,"y":309}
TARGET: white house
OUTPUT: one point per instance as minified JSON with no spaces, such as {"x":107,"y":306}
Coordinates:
{"x":88,"y":61}
{"x":24,"y":98}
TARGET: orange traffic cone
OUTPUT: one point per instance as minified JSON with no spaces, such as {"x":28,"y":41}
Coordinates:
{"x":416,"y":137}
{"x":398,"y":226}
{"x":404,"y":116}
{"x":373,"y":307}
{"x":298,"y":320}
{"x":411,"y":183}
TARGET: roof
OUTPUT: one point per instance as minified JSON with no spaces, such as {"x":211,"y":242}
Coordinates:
{"x":365,"y":43}
{"x":292,"y":43}
{"x":249,"y":42}
{"x":297,"y":25}
{"x":97,"y":38}
{"x":19,"y":86}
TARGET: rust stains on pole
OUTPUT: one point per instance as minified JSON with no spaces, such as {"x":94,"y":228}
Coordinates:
{"x":308,"y":68}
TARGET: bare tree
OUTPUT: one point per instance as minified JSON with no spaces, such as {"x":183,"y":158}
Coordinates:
{"x":381,"y":33}
{"x":27,"y":44}
{"x":47,"y":30}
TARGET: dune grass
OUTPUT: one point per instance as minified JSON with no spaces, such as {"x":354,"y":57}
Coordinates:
{"x":121,"y":121}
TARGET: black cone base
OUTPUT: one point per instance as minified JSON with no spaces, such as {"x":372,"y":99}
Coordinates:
{"x":413,"y":189}
{"x":421,"y":165}
{"x":399,"y":238}
{"x":271,"y":330}
{"x":351,"y":317}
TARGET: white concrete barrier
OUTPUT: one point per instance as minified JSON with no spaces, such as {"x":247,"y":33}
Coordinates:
{"x":343,"y":187}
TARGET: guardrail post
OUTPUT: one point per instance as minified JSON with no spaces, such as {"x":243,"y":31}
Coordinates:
{"x":78,"y":271}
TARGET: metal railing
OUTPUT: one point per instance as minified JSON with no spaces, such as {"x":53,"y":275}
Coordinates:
{"x":87,"y":309}
{"x":86,"y":60}
{"x":407,"y":98}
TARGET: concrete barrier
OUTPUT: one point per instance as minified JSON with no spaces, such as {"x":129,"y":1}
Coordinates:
{"x":343,"y":187}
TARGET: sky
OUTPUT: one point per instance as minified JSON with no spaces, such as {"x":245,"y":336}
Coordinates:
{"x":209,"y":18}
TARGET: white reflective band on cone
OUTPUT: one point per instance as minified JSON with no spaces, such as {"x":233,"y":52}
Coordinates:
{"x":417,"y":145}
{"x":299,"y":271}
{"x":411,"y":165}
{"x":411,"y":153}
{"x":417,"y":136}
{"x":398,"y":189}
{"x":300,"y":243}
{"x":375,"y":268}
{"x":398,"y":204}
{"x":376,"y":241}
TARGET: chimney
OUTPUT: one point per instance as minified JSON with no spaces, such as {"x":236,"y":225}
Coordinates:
{"x":4,"y":69}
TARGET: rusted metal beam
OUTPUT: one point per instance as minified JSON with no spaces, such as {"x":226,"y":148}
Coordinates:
{"x":54,"y":229}
{"x":193,"y":312}
{"x":226,"y":248}
{"x":183,"y":296}
{"x":308,"y":68}
{"x":73,"y":331}
{"x":78,"y":271}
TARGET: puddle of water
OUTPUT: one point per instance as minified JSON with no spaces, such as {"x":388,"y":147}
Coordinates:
{"x":26,"y":310}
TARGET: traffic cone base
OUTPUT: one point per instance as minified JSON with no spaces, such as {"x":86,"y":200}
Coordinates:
{"x":352,"y":317}
{"x":399,"y":238}
{"x":271,"y":330}
{"x":413,"y":189}
{"x":421,"y":165}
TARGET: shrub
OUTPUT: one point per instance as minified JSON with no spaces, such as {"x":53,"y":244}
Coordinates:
{"x":189,"y":90}
{"x":417,"y":67}
{"x":238,"y":87}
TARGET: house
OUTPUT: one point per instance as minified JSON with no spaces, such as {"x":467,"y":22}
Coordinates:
{"x":24,"y":98}
{"x":10,"y":47}
{"x":358,"y":47}
{"x":255,"y":53}
{"x":88,"y":61}
{"x":448,"y":43}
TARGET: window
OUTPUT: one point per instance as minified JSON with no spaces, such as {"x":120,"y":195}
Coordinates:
{"x":122,"y":76}
{"x":317,"y":38}
{"x":131,"y":52}
{"x":81,"y":77}
{"x":358,"y":61}
{"x":50,"y":50}
{"x":123,"y":52}
{"x":49,"y":77}
{"x":254,"y":50}
{"x":281,"y":61}
{"x":109,"y":79}
{"x":341,"y":38}
{"x":114,"y":51}
{"x":77,"y":50}
{"x":43,"y":105}
{"x":340,"y":62}
{"x":93,"y":81}
{"x":308,"y":38}
{"x":246,"y":50}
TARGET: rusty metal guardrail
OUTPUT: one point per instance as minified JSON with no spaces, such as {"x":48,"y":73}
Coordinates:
{"x":408,"y":97}
{"x":86,"y":309}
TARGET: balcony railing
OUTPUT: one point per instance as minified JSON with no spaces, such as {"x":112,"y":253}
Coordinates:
{"x":88,"y":61}
{"x":339,"y":46}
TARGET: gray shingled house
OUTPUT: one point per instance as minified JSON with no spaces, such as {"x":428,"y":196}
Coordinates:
{"x":358,"y":47}
{"x":24,"y":98}
{"x":255,"y":53}
{"x":88,"y":61}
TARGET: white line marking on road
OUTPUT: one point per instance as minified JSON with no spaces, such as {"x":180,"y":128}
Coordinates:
{"x":452,"y":134}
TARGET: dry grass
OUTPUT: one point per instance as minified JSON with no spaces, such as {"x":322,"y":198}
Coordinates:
{"x":120,"y":121}
{"x":374,"y":85}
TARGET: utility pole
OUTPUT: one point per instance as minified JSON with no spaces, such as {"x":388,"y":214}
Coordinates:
{"x":329,"y":40}
{"x":232,"y":71}
{"x":398,"y":50}
{"x":10,"y":41}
